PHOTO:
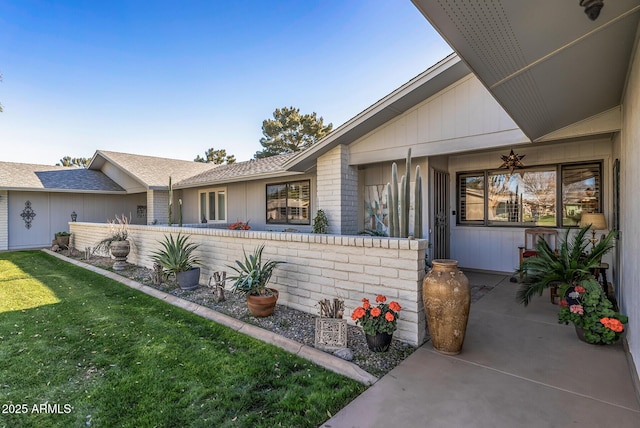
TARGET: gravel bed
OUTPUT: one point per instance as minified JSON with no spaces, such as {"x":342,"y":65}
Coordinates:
{"x":285,"y":321}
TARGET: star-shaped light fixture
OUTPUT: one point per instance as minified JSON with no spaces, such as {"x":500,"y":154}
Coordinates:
{"x":512,"y":161}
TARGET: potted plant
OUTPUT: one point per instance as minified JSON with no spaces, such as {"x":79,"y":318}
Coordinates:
{"x":251,"y":279}
{"x":177,"y":258}
{"x":378,"y":322}
{"x":591,"y":313}
{"x":569,"y":265}
{"x":62,"y":239}
{"x":117,"y":242}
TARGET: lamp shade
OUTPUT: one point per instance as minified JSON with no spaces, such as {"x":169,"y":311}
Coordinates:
{"x":596,"y":220}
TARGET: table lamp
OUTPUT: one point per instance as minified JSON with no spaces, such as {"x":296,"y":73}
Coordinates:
{"x":597,"y":222}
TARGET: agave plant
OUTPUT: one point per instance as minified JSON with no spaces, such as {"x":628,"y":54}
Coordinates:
{"x":570,"y":265}
{"x":252,"y":274}
{"x":176,"y":254}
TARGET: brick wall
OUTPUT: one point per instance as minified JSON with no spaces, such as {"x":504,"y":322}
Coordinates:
{"x":158,"y":206}
{"x":338,"y":191}
{"x":318,"y":266}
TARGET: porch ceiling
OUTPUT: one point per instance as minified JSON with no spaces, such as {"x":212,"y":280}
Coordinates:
{"x":545,"y":61}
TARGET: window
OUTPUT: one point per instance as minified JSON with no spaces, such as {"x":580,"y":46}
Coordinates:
{"x":213,"y":205}
{"x":530,"y":196}
{"x":471,"y":198}
{"x":581,"y":191}
{"x":289,"y":203}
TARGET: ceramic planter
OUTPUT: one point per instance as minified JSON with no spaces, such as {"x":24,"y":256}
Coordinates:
{"x":379,"y":342}
{"x":262,"y":306}
{"x":188,"y":280}
{"x":331,"y":333}
{"x":447,"y":299}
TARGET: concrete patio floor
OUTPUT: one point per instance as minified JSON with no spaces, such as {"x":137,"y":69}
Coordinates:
{"x":518,"y":368}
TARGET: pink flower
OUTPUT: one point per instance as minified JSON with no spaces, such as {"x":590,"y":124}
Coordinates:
{"x":577,"y":309}
{"x":563,"y":303}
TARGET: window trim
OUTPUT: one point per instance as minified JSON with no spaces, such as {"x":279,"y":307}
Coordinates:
{"x":206,"y":192}
{"x":286,"y":220}
{"x":559,"y":169}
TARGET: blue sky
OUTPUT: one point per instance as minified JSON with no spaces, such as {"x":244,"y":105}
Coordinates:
{"x":173,"y":79}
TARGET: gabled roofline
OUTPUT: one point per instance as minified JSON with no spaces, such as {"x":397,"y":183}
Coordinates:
{"x":430,"y":82}
{"x":106,"y":158}
{"x":254,"y":177}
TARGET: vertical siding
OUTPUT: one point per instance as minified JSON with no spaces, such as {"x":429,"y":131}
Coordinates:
{"x":4,"y":220}
{"x":456,"y":119}
{"x":630,"y":208}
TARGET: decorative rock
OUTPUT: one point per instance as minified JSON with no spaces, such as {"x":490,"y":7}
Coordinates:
{"x":344,"y":353}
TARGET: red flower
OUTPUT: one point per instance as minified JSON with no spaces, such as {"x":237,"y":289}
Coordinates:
{"x":380,"y":298}
{"x":563,"y":303}
{"x":395,"y":306}
{"x":375,"y":312}
{"x":358,"y":313}
{"x":612,"y":324}
{"x":389,"y":317}
{"x":579,"y":289}
{"x":366,"y":304}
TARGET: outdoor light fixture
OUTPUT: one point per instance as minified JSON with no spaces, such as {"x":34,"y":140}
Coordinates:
{"x":597,"y":221}
{"x":74,"y":216}
{"x":592,"y":8}
{"x":512,"y":161}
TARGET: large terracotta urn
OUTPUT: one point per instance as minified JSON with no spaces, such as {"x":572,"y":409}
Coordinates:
{"x":447,"y":298}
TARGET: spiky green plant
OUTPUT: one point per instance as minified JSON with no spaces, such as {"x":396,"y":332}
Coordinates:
{"x":252,"y":276}
{"x":571,"y":264}
{"x":176,"y":254}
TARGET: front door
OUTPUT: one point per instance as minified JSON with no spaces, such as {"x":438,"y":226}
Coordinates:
{"x":439,"y":219}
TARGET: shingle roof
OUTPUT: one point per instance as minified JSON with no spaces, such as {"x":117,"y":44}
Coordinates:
{"x":239,"y":170}
{"x":153,"y":171}
{"x":26,"y":176}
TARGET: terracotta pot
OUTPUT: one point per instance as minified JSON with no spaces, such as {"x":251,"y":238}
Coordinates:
{"x":188,"y":280}
{"x":379,"y":342}
{"x":120,"y":251}
{"x":262,"y":306}
{"x":447,"y":298}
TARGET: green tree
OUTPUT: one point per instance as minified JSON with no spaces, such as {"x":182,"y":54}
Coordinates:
{"x":217,"y":157}
{"x":289,"y":132}
{"x":69,"y":161}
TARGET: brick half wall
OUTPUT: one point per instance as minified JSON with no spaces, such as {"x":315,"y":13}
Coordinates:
{"x":318,"y":266}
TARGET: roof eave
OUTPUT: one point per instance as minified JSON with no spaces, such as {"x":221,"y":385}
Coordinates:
{"x":430,"y":82}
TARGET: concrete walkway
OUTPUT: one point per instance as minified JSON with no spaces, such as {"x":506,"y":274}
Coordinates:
{"x":518,"y":368}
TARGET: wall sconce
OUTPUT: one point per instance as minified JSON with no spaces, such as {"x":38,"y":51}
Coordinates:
{"x":592,"y":8}
{"x":74,"y":216}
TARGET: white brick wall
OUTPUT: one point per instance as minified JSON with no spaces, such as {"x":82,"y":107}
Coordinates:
{"x":157,"y":206}
{"x":337,"y":184}
{"x":318,"y":266}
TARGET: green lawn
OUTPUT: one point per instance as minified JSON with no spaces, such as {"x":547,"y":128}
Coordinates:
{"x":78,"y":349}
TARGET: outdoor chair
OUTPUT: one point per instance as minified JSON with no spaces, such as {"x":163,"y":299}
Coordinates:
{"x":531,"y":238}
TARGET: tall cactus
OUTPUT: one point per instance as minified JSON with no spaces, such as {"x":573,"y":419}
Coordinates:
{"x":417,"y":202}
{"x":399,"y":195}
{"x":403,"y":203}
{"x":393,"y":206}
{"x":170,"y":202}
